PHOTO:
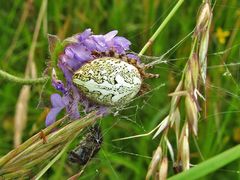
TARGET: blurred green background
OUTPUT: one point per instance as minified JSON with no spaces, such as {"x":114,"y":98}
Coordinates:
{"x":136,"y":20}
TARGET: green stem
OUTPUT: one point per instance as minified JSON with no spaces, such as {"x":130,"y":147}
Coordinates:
{"x":10,"y":77}
{"x":160,"y":28}
{"x":210,"y":165}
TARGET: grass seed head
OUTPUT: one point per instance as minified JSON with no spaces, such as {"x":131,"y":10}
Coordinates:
{"x":163,"y":169}
{"x":205,"y":14}
{"x":184,"y":148}
{"x":157,"y":156}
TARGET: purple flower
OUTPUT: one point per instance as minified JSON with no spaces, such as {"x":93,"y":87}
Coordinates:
{"x":57,"y":105}
{"x":76,"y":54}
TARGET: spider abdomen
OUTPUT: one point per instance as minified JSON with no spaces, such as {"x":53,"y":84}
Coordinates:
{"x":108,"y":81}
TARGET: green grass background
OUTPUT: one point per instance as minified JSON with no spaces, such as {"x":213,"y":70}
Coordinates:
{"x":136,"y":20}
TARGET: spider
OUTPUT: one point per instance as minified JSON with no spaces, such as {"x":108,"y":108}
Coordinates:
{"x":112,"y":79}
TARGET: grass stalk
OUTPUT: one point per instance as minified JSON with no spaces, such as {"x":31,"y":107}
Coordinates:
{"x":160,"y":28}
{"x":35,"y":152}
{"x":41,"y":173}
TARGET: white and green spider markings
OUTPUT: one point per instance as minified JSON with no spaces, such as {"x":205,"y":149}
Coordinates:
{"x":108,"y":81}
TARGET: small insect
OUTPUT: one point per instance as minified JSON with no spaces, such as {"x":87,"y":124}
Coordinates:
{"x":111,"y":79}
{"x":88,"y":146}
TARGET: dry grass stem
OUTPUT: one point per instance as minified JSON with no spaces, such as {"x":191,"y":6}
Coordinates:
{"x":20,"y":117}
{"x":27,"y":158}
{"x":188,"y":89}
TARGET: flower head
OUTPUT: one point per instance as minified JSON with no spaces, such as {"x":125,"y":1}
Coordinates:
{"x":222,"y":35}
{"x":78,"y":52}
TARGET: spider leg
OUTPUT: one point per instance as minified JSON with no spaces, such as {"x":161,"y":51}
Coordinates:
{"x":111,"y":53}
{"x":144,"y":88}
{"x":150,"y":75}
{"x":148,"y":66}
{"x":146,"y":75}
{"x":96,"y":54}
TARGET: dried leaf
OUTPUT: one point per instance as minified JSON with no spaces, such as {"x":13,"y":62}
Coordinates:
{"x":52,"y":42}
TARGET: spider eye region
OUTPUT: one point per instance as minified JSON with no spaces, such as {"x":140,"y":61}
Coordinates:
{"x":108,"y":81}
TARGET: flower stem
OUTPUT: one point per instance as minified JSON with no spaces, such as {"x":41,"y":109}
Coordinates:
{"x":160,"y":28}
{"x":10,"y":77}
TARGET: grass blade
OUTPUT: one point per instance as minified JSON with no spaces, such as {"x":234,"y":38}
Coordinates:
{"x":210,"y":165}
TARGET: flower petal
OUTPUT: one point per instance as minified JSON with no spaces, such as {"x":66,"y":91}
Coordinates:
{"x":110,"y":35}
{"x":84,"y":35}
{"x":57,"y":105}
{"x":122,"y":42}
{"x":57,"y":101}
{"x":51,"y":117}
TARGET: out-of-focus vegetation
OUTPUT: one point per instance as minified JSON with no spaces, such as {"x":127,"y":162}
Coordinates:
{"x":136,"y":20}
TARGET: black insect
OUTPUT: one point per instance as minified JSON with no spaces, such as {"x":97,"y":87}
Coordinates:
{"x":88,"y":146}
